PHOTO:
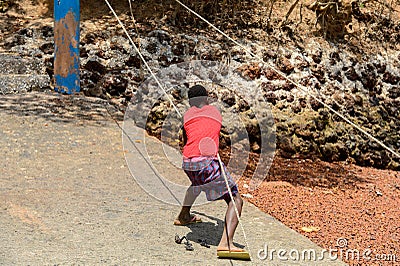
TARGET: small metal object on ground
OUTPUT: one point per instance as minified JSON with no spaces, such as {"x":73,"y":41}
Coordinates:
{"x":203,"y":242}
{"x":179,"y":240}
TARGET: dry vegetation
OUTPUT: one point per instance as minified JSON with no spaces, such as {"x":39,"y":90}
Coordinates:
{"x":332,"y":19}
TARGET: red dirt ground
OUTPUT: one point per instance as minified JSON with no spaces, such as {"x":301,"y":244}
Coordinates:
{"x":351,"y":207}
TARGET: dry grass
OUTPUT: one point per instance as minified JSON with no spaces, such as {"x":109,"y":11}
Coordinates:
{"x":363,"y":23}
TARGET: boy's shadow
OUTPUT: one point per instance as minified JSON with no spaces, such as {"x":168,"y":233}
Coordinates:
{"x":208,"y":231}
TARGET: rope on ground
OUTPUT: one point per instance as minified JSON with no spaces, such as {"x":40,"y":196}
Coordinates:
{"x":141,"y":154}
{"x":304,"y":89}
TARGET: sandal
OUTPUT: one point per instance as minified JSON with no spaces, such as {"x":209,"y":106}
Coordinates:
{"x":194,"y":219}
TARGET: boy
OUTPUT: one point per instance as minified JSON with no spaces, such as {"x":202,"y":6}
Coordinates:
{"x":202,"y":125}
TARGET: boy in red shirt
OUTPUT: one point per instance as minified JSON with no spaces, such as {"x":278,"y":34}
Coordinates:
{"x":202,"y":125}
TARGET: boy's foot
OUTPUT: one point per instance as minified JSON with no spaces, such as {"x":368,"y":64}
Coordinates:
{"x":232,"y":249}
{"x":192,"y":220}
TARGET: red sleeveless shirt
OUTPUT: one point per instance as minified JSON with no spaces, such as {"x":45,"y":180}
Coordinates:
{"x":202,"y":126}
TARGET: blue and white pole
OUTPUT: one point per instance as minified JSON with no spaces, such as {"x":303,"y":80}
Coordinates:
{"x":66,"y":50}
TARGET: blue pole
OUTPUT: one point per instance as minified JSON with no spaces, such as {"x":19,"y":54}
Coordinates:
{"x":66,"y":50}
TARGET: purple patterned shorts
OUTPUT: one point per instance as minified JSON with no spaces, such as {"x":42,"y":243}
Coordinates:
{"x":206,"y":176}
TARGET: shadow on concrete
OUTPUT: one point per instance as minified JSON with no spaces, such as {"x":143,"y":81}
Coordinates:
{"x":59,"y":108}
{"x":208,"y":231}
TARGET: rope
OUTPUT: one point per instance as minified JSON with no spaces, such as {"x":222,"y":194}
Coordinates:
{"x":234,"y":205}
{"x":142,"y":58}
{"x":304,"y":89}
{"x":176,"y":109}
{"x":260,"y":59}
{"x":141,"y":154}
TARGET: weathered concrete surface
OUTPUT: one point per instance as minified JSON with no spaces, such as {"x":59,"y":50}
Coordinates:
{"x":67,"y":196}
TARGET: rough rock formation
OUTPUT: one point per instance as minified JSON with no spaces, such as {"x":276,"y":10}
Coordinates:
{"x":366,"y":89}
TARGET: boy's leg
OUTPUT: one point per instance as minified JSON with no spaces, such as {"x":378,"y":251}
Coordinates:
{"x":231,"y":222}
{"x":191,"y":194}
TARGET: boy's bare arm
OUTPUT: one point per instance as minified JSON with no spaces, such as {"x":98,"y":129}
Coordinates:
{"x":184,"y":136}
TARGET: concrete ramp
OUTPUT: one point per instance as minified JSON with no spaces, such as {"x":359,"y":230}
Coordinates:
{"x":67,"y":197}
